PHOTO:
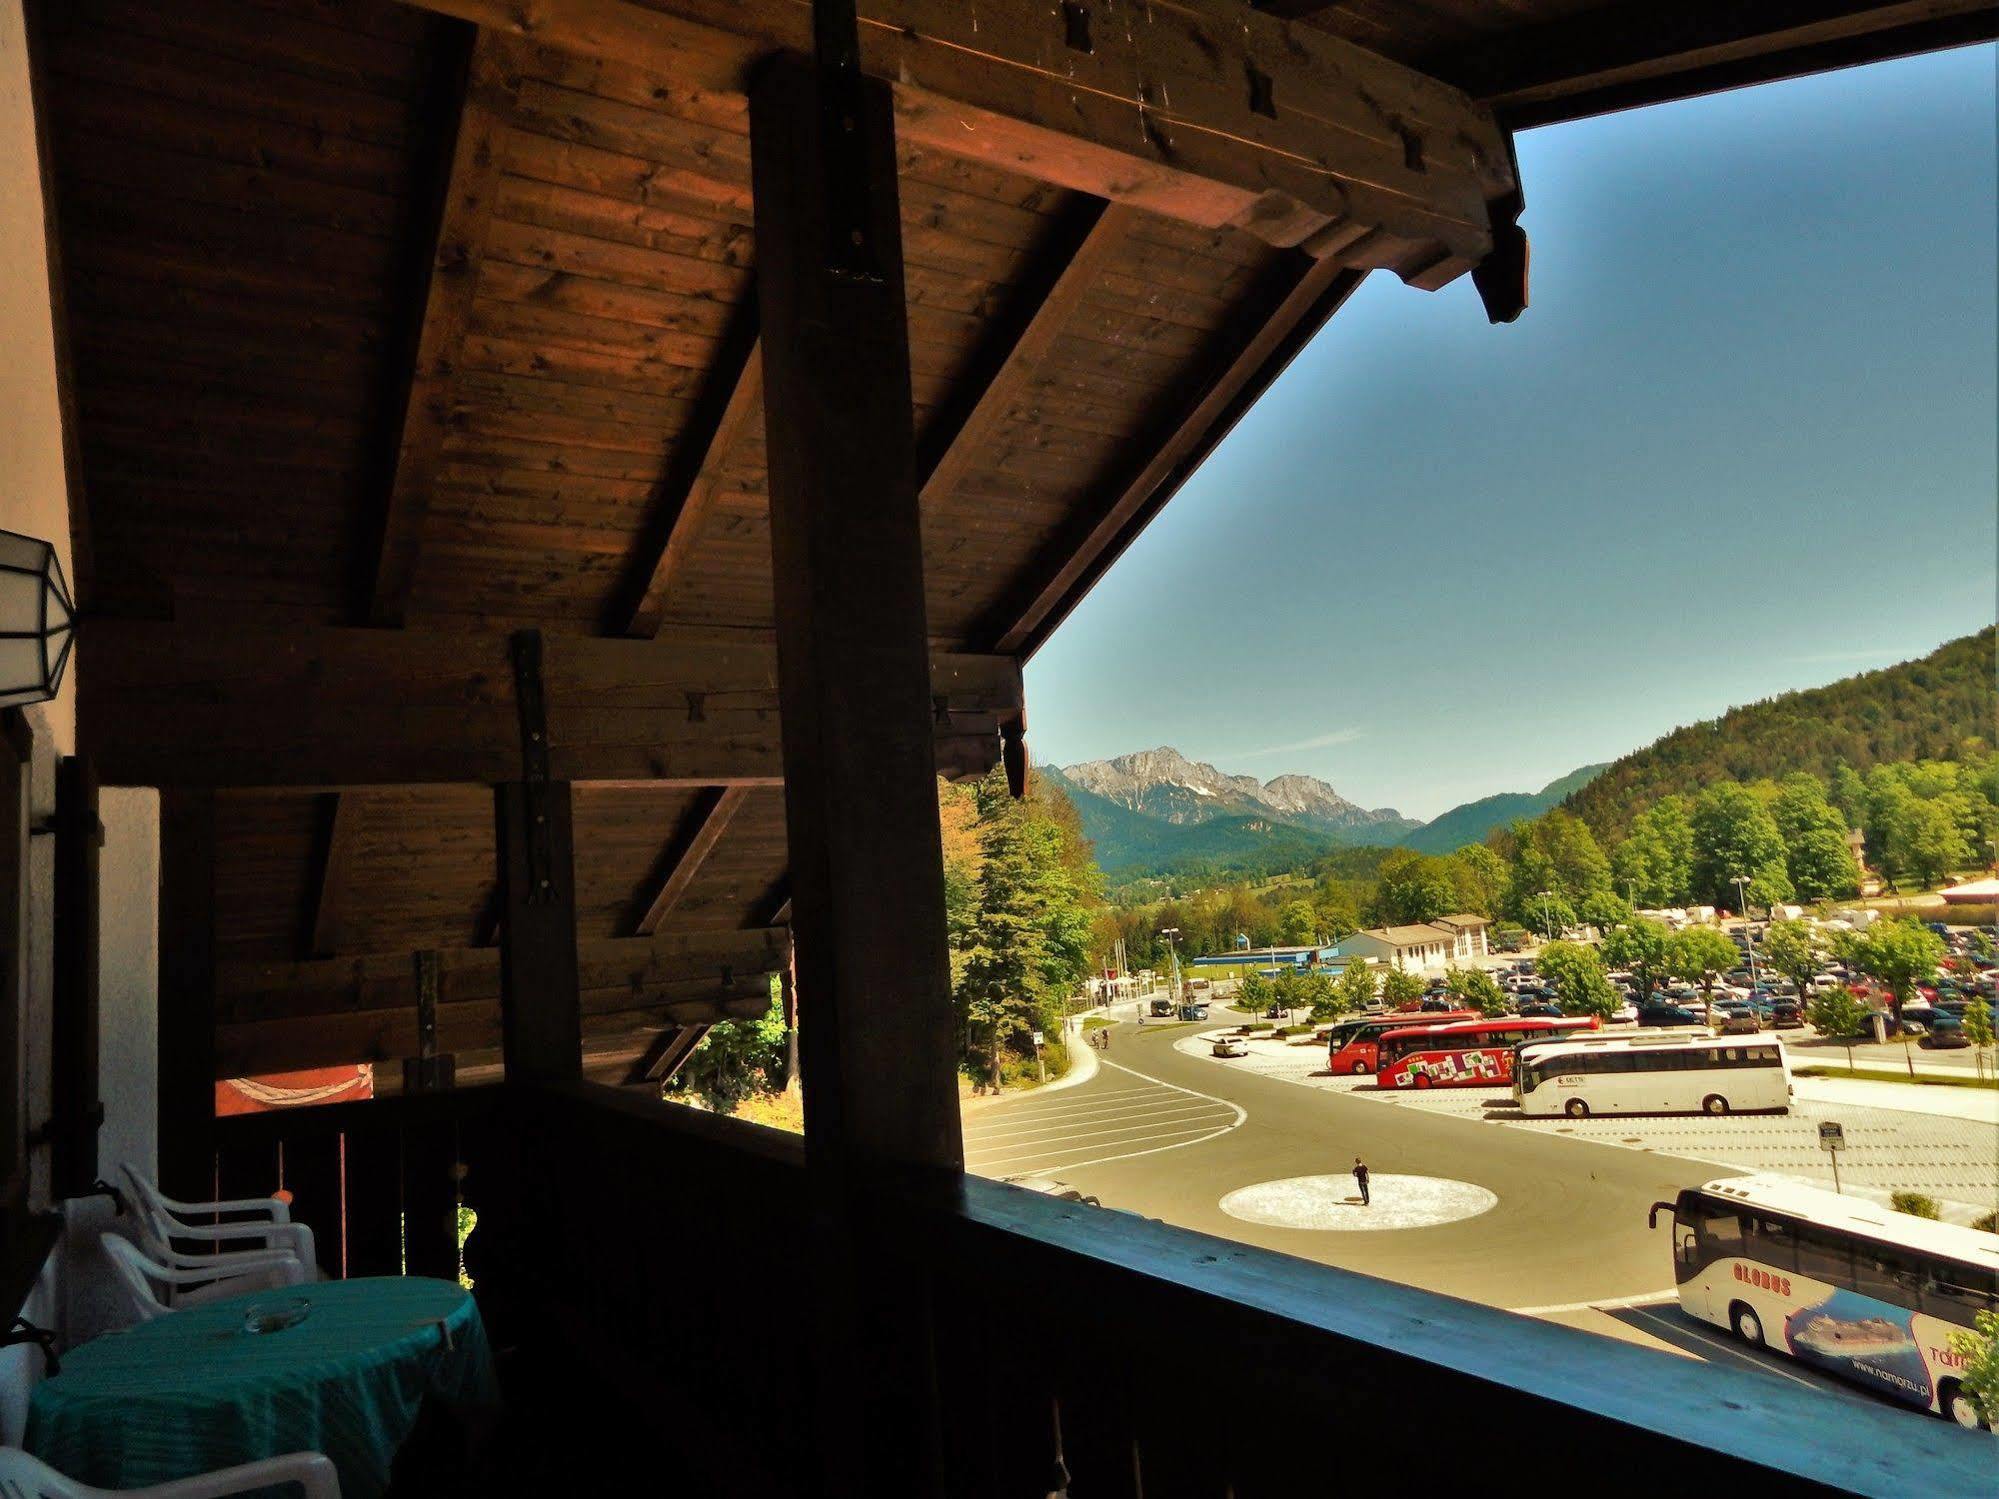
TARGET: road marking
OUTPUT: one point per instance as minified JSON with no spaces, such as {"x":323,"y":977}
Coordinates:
{"x":1053,"y":1153}
{"x":1084,"y":1116}
{"x":1612,"y":1304}
{"x":1158,"y":1125}
{"x":1034,"y":1127}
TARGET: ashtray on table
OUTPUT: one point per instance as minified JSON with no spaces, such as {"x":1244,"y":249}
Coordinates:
{"x":276,"y":1316}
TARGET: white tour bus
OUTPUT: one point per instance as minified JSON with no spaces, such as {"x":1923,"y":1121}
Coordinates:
{"x":1856,"y":1289}
{"x":1641,"y":1074}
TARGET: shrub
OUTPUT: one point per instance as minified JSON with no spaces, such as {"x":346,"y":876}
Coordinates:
{"x":1990,"y":1223}
{"x":1917,"y":1204}
{"x":1259,"y":1025}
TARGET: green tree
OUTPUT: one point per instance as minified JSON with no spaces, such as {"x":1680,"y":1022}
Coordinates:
{"x":1978,"y":1031}
{"x":1640,"y":948}
{"x":1979,"y":1373}
{"x":1933,"y":841}
{"x":1299,"y":923}
{"x":1413,"y":887}
{"x":1480,"y":876}
{"x":1357,"y":986}
{"x":1555,"y":852}
{"x":1796,"y":951}
{"x":1654,"y":866}
{"x":1816,"y":855}
{"x":1402,"y":990}
{"x":1028,"y":941}
{"x":1581,"y":985}
{"x":1475,"y":989}
{"x":735,"y":1060}
{"x":1700,"y":955}
{"x":1305,"y":989}
{"x":1838,"y":1015}
{"x":1898,"y":954}
{"x":1603,"y":909}
{"x":1734,"y":834}
{"x":1256,"y":994}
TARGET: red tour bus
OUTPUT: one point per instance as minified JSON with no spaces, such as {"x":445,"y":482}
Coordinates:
{"x":1352,"y":1046}
{"x":1466,"y":1054}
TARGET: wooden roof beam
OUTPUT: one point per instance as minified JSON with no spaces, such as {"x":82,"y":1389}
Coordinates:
{"x":667,"y":1054}
{"x":202,"y":705}
{"x":1016,"y":369}
{"x":736,"y":402}
{"x":1307,"y":292}
{"x":335,"y":874}
{"x":1199,"y":110}
{"x":470,"y":189}
{"x":276,"y":1017}
{"x":1640,"y":52}
{"x":689,"y":850}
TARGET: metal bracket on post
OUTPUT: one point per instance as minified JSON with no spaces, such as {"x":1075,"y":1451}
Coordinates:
{"x":427,"y":1072}
{"x":836,"y":46}
{"x":532,"y":707}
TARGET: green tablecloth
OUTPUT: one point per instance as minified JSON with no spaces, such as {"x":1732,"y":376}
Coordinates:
{"x":192,"y":1391}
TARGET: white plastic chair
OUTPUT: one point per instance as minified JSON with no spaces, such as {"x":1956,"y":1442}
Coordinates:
{"x":160,"y":1220}
{"x":26,"y":1477}
{"x":154,"y":1289}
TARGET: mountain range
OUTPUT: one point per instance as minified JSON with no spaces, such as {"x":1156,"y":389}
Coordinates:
{"x":1156,"y":808}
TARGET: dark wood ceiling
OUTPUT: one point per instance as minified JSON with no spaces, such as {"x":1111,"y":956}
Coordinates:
{"x":380,"y":321}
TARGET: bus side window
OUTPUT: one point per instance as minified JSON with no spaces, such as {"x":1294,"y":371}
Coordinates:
{"x":1827,"y":1257}
{"x":1721,"y":1231}
{"x":1954,"y":1293}
{"x":1775,"y":1244}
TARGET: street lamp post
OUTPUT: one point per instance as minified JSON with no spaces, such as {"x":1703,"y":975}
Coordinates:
{"x":1741,"y":883}
{"x":1547,"y":916}
{"x":1171,"y":934}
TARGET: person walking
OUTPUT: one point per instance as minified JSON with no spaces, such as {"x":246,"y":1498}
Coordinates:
{"x":1360,"y":1176}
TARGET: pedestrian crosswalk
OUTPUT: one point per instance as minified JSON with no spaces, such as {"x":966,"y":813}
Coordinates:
{"x":1120,"y":1114}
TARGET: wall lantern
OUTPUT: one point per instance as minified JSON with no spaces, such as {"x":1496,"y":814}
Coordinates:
{"x":36,"y":621}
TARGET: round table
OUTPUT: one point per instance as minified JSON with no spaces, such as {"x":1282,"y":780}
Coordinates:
{"x":193,"y":1391}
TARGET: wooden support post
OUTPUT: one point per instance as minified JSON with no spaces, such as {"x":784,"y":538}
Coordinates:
{"x":76,"y":1110}
{"x":860,"y":764}
{"x":187,"y":994}
{"x":541,"y":1023}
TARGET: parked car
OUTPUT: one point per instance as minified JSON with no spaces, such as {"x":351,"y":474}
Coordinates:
{"x":1162,"y":1007}
{"x":1196,"y":1011}
{"x":1540,"y":1008}
{"x":1946,"y":1033}
{"x":1787,"y":1015}
{"x":1668,"y":1014}
{"x":1438,"y":1002}
{"x":1737,"y":1019}
{"x":1231,"y":1046}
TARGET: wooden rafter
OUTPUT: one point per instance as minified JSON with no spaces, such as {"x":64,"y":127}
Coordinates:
{"x":199,"y":705}
{"x":689,"y":850}
{"x":736,"y":404}
{"x":335,"y":871}
{"x":469,"y":195}
{"x":1198,"y":110}
{"x":667,"y":1054}
{"x":1022,"y":362}
{"x":1310,"y":293}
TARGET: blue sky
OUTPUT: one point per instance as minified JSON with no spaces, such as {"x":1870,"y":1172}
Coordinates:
{"x":1742,"y":442}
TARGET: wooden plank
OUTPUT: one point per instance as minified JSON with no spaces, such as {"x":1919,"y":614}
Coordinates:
{"x":212,"y":705}
{"x":1072,"y":562}
{"x":689,"y":850}
{"x":1621,"y":55}
{"x":471,"y":191}
{"x":335,"y":873}
{"x":1021,"y":364}
{"x":692,"y":485}
{"x":667,"y":1054}
{"x":186,"y":1044}
{"x":1195,"y":109}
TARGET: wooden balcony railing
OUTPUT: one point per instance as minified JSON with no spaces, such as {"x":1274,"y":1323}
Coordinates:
{"x":655,"y":1264}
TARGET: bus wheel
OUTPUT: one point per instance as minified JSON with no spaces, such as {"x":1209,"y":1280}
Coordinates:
{"x":1960,"y":1407}
{"x":1714,"y":1103}
{"x":1361,"y":1069}
{"x":1748,"y":1326}
{"x":1575,"y":1108}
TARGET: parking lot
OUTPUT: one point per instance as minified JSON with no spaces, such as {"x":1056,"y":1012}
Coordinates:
{"x":1948,"y":1147}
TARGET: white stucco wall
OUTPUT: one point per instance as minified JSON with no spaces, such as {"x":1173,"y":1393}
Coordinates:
{"x":33,"y":497}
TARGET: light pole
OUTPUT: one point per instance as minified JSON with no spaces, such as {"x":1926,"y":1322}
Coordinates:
{"x":1741,"y":883}
{"x":1547,"y":916}
{"x":1171,"y":934}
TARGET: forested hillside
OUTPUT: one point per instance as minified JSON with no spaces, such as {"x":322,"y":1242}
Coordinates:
{"x":1471,"y":821}
{"x":1928,"y":709}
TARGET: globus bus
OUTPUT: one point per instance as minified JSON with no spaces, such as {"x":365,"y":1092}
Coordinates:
{"x":1652,"y":1074}
{"x":1463,"y":1054}
{"x":1856,"y":1289}
{"x":1352,"y":1047}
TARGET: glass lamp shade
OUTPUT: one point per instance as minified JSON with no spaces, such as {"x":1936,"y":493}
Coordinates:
{"x":37,"y":621}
